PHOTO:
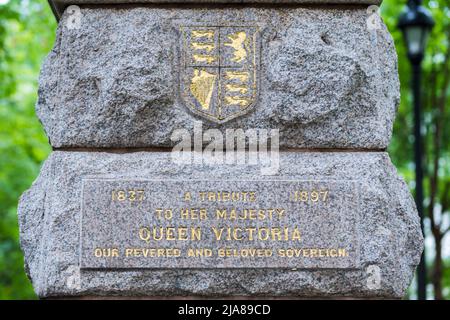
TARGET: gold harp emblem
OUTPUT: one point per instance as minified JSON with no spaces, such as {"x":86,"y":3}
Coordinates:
{"x":202,"y":86}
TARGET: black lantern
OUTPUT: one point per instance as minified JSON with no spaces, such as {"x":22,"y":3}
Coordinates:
{"x":416,"y":24}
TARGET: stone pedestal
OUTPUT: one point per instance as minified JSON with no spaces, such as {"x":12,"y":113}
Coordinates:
{"x":369,"y":214}
{"x":119,"y":211}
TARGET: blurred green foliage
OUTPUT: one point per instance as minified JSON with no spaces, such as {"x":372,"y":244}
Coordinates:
{"x":401,"y":148}
{"x":27,"y":31}
{"x":436,"y":129}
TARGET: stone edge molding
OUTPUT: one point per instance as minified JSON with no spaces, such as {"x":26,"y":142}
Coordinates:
{"x":389,"y":230}
{"x":58,"y":6}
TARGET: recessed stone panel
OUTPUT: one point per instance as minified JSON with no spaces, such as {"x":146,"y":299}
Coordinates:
{"x":153,"y":224}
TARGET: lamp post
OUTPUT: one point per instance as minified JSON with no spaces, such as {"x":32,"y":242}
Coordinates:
{"x":416,"y":24}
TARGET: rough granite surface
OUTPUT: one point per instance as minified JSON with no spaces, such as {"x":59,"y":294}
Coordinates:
{"x":326,"y":80}
{"x":389,"y":232}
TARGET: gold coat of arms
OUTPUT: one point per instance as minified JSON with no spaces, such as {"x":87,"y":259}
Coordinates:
{"x":219,"y":79}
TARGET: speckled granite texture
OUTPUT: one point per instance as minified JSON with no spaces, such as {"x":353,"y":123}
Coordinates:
{"x":123,"y":76}
{"x":388,"y":231}
{"x":325,"y":79}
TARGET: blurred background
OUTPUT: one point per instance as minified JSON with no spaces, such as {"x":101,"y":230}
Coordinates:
{"x":27,"y":32}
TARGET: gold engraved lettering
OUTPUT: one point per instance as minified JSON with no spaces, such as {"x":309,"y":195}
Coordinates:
{"x":310,"y":196}
{"x":226,"y":196}
{"x":313,"y":253}
{"x":237,"y":43}
{"x":106,"y":253}
{"x":194,"y":214}
{"x":256,"y":234}
{"x":164,"y":213}
{"x":245,"y":252}
{"x":250,"y":214}
{"x":152,"y":252}
{"x":203,"y":252}
{"x":131,"y":195}
{"x":148,"y":234}
{"x":202,"y":86}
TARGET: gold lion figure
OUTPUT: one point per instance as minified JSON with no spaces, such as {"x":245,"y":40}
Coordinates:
{"x":237,"y":43}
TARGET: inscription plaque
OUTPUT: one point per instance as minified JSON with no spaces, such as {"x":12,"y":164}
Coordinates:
{"x":219,"y":224}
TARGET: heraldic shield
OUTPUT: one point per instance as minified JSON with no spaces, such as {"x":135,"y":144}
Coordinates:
{"x":219,"y":77}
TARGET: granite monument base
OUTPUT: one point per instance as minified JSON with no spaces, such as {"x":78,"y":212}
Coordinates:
{"x":328,"y":225}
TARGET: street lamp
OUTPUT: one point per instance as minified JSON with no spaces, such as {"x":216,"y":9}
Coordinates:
{"x":416,"y":24}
